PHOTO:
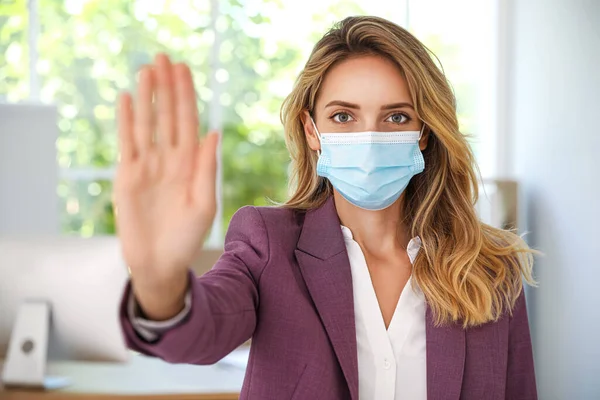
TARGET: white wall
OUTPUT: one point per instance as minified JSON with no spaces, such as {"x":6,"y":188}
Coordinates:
{"x":554,"y":123}
{"x":28,"y":170}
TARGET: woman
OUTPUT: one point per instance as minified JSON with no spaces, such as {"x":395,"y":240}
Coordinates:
{"x":376,"y":280}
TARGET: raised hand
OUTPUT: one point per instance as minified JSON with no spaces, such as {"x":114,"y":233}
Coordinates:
{"x":165,"y":185}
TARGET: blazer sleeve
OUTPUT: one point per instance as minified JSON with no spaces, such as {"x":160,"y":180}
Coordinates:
{"x":223,"y":301}
{"x":520,"y":377}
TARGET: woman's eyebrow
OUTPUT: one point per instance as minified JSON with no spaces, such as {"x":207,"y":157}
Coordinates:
{"x":357,"y":107}
{"x":342,"y":104}
{"x":397,"y":105}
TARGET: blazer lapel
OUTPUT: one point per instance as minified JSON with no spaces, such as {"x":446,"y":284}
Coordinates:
{"x":445,"y":359}
{"x":324,"y":264}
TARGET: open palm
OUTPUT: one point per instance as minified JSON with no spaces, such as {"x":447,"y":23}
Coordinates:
{"x":165,"y":184}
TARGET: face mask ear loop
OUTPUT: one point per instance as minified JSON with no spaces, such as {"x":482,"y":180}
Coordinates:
{"x":318,"y":135}
{"x":420,"y":134}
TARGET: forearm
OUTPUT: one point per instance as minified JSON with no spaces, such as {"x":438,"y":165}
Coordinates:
{"x":218,"y":321}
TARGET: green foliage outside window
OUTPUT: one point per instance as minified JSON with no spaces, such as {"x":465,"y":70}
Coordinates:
{"x":90,"y":51}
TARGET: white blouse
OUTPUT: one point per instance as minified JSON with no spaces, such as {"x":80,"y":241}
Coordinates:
{"x":391,"y":363}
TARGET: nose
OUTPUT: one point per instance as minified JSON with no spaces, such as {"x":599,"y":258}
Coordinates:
{"x":370,"y":124}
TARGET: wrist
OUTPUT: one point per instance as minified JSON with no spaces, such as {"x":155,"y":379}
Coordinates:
{"x":161,"y":298}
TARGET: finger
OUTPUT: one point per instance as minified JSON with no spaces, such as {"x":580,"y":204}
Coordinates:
{"x":206,"y":166}
{"x":187,"y":109}
{"x":143,"y":118}
{"x":125,"y":128}
{"x":165,"y":101}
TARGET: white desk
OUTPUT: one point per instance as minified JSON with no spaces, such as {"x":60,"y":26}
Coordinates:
{"x":141,"y":378}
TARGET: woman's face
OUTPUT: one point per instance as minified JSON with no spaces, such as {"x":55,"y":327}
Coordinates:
{"x":361,"y":94}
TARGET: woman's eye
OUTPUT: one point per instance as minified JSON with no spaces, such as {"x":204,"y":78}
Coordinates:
{"x":342,"y":117}
{"x":398,"y":118}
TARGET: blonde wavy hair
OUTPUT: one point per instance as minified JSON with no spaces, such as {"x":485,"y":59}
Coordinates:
{"x":470,"y":272}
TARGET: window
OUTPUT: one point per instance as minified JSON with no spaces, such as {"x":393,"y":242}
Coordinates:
{"x":462,"y":35}
{"x":245,"y":55}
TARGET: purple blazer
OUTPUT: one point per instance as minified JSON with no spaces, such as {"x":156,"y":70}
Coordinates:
{"x":284,"y":279}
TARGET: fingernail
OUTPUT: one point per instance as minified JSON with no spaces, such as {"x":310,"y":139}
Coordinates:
{"x":141,"y":69}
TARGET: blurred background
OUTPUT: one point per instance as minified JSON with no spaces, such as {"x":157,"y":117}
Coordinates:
{"x":245,"y":56}
{"x":525,"y":73}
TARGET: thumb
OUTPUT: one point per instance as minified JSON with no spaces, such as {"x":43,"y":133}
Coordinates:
{"x":206,"y":164}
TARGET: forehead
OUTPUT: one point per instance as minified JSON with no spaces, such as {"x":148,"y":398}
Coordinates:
{"x":364,"y":80}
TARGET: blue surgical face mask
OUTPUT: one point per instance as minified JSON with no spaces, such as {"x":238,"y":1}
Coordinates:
{"x":370,"y":169}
